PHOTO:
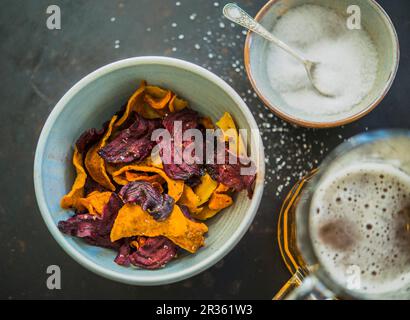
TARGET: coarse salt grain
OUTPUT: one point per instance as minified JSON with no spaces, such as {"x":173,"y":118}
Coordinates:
{"x":347,"y":61}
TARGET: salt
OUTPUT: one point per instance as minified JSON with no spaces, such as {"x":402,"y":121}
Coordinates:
{"x":347,"y":59}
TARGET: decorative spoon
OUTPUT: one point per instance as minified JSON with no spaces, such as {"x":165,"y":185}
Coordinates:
{"x":234,"y":13}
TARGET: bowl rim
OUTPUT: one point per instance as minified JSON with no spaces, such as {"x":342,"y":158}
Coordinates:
{"x":312,"y":124}
{"x":151,"y":279}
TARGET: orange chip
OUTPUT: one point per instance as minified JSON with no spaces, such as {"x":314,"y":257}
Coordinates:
{"x":177,"y":104}
{"x":94,"y":202}
{"x":133,"y":176}
{"x":175,"y":187}
{"x":77,"y":190}
{"x":156,"y":97}
{"x":132,"y":102}
{"x":133,"y":221}
{"x":206,"y":122}
{"x":96,"y":165}
{"x":120,"y":179}
{"x":190,"y":200}
{"x":219,"y":199}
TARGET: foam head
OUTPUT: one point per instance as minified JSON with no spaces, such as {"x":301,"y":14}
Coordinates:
{"x":361,"y":217}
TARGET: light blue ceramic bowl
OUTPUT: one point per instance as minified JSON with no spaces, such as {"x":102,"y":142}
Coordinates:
{"x":91,"y":102}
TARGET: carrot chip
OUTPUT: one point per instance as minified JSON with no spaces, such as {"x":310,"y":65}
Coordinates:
{"x":133,"y":221}
{"x":77,"y":190}
{"x":95,"y":164}
{"x":94,"y":202}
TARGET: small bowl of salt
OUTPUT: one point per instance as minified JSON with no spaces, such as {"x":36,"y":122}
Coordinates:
{"x":356,"y":48}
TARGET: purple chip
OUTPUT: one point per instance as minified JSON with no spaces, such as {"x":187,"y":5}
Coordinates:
{"x":133,"y":143}
{"x":143,"y":193}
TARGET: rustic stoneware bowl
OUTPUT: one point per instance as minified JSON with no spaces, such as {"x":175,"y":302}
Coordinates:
{"x":91,"y":102}
{"x":374,"y":20}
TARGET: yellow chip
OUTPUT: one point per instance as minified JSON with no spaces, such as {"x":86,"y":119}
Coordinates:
{"x":218,"y":201}
{"x":95,"y":164}
{"x":205,"y":189}
{"x":77,"y":190}
{"x":133,"y":221}
{"x":175,"y":187}
{"x":193,"y":199}
{"x":205,"y":214}
{"x":228,"y":127}
{"x":94,"y":202}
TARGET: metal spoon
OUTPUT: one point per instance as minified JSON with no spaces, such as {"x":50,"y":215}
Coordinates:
{"x":239,"y":16}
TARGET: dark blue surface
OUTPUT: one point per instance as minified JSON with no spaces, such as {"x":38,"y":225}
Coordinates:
{"x":38,"y":66}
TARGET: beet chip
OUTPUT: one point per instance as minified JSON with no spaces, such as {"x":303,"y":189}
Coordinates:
{"x":123,"y":256}
{"x":94,"y":229}
{"x":232,"y":175}
{"x":194,"y":180}
{"x":154,"y":253}
{"x":189,"y":120}
{"x":151,"y":253}
{"x":90,"y":137}
{"x":143,"y":193}
{"x":131,"y":144}
{"x":181,"y":171}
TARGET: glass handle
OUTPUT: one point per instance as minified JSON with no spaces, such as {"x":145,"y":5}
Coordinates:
{"x":303,"y":287}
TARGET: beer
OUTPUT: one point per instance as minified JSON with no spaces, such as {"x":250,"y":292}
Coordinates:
{"x":360,"y":216}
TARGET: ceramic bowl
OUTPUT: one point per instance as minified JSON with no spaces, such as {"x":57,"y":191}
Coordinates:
{"x":91,"y":102}
{"x":374,"y":20}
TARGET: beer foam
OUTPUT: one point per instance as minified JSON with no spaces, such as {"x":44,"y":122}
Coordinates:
{"x":360,"y":217}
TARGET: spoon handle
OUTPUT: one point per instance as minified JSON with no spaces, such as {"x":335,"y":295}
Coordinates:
{"x":234,"y":13}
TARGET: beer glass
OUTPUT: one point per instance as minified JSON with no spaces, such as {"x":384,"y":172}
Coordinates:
{"x":311,"y":278}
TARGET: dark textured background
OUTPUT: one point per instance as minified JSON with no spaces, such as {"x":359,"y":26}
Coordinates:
{"x":38,"y":66}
